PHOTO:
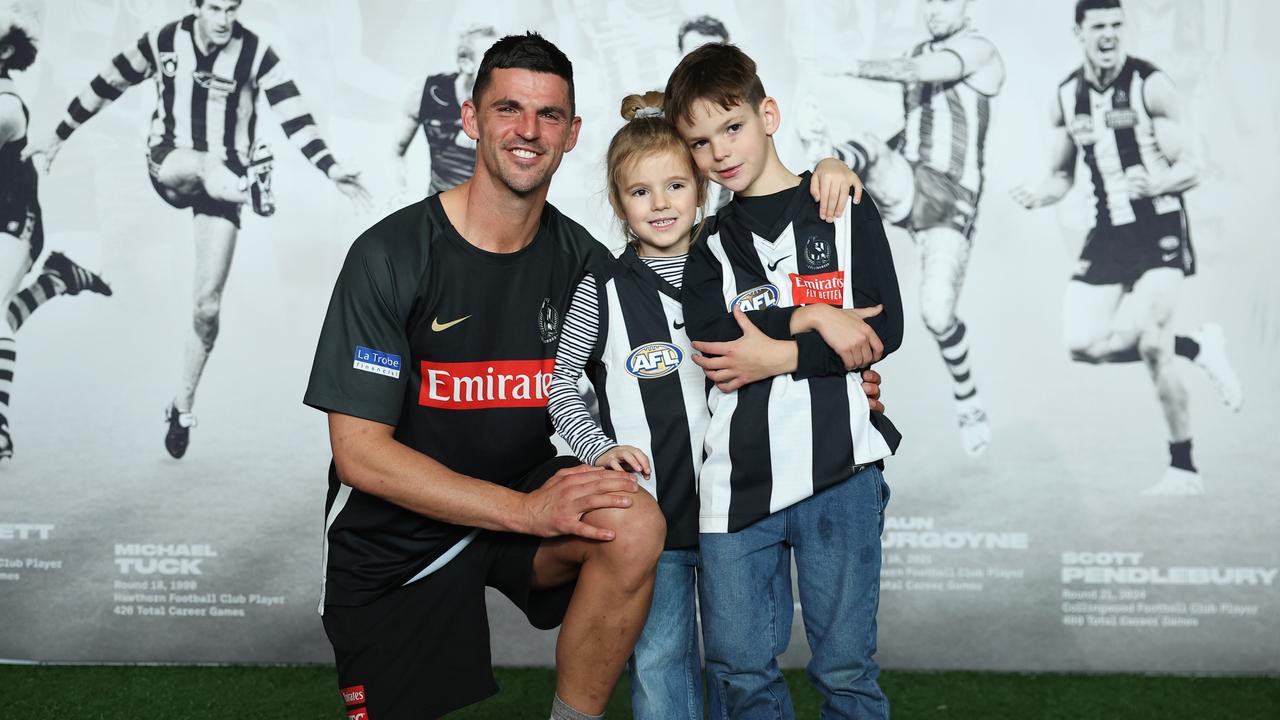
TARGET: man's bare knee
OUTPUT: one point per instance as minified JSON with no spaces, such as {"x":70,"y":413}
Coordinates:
{"x":639,"y":534}
{"x":205,"y":320}
{"x":938,"y":318}
{"x":1085,"y":350}
{"x":1155,"y":347}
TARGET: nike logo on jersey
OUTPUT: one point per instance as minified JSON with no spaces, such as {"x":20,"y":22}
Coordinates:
{"x":1168,"y":257}
{"x":677,"y":325}
{"x":774,"y":265}
{"x":437,"y":326}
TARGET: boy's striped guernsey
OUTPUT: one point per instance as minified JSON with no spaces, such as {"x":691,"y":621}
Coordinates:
{"x":773,"y":443}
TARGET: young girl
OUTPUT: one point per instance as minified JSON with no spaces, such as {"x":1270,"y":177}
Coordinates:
{"x":21,"y":228}
{"x":625,"y":329}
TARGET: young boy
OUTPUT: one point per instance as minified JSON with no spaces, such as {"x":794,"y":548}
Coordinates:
{"x":793,"y":451}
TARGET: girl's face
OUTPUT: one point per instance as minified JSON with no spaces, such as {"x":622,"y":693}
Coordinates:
{"x":659,"y":200}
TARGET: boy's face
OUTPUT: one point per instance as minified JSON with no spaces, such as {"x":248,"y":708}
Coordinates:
{"x":730,"y":147}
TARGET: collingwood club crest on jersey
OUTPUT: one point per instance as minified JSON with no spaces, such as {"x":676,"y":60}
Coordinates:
{"x":548,"y":322}
{"x":168,"y":63}
{"x":817,"y":253}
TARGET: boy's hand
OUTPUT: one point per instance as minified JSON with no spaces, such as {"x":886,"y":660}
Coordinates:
{"x":846,"y":332}
{"x":871,"y":386}
{"x":754,"y":356}
{"x":830,"y":187}
{"x":625,"y":458}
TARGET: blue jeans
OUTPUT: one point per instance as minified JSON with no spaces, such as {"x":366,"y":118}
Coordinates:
{"x":666,"y":669}
{"x":745,"y":589}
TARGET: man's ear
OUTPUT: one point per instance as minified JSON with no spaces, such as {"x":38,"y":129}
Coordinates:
{"x":575,"y":126}
{"x":469,"y":120}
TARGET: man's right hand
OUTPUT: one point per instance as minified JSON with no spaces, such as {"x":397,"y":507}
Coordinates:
{"x":47,"y":151}
{"x":557,"y":508}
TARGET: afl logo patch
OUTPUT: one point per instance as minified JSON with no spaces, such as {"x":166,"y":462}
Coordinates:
{"x":757,"y":298}
{"x":654,"y":360}
{"x":169,"y":63}
{"x":1170,"y":242}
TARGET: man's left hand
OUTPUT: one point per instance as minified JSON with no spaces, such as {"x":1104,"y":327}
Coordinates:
{"x":871,"y":386}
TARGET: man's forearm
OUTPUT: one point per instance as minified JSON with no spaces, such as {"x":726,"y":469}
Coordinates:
{"x":904,"y":70}
{"x":1180,"y":177}
{"x":383,"y":467}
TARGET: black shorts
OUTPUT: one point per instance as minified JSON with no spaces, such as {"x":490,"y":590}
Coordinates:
{"x":25,"y":223}
{"x":422,"y":650}
{"x":198,"y":201}
{"x":940,"y":201}
{"x":1121,"y":254}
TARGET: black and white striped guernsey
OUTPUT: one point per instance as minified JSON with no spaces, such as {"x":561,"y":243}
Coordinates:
{"x":1113,"y":130}
{"x":775,"y":442}
{"x":206,"y":103}
{"x":651,"y":394}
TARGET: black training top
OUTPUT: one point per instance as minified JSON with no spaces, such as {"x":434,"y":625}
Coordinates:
{"x":452,"y":345}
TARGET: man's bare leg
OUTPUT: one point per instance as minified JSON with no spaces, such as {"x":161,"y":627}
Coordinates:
{"x":944,"y":258}
{"x":15,"y":261}
{"x":610,"y":603}
{"x":1089,"y":324}
{"x":215,"y":245}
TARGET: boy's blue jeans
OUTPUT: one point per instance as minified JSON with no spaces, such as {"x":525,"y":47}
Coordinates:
{"x":666,"y":671}
{"x":745,"y":592}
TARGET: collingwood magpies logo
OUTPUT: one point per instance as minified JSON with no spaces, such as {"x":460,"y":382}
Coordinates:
{"x":817,"y":252}
{"x":169,"y":63}
{"x":548,"y":321}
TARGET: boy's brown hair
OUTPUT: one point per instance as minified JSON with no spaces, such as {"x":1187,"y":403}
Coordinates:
{"x":716,"y":72}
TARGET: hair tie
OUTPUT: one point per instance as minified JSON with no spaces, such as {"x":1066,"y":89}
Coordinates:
{"x":647,"y":112}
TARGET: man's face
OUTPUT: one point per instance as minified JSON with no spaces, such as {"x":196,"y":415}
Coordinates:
{"x":1100,"y":34}
{"x":730,"y":147}
{"x":693,"y":40}
{"x":215,"y":18}
{"x":523,"y":126}
{"x":944,"y":17}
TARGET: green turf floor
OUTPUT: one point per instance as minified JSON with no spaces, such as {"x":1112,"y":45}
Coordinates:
{"x":310,"y":693}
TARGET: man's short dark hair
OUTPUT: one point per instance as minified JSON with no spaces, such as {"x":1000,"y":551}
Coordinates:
{"x":703,"y":25}
{"x":1084,"y":6}
{"x":530,"y":51}
{"x":24,"y":48}
{"x":716,"y":72}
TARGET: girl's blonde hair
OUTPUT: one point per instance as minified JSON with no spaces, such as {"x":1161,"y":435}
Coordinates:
{"x":647,"y":132}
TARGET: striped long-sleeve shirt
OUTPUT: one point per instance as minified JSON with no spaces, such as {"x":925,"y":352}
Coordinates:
{"x":206,"y":103}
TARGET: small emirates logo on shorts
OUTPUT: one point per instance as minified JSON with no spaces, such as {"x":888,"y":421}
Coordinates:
{"x":353,"y":695}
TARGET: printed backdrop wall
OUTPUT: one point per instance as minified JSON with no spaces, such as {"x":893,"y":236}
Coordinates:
{"x":1041,"y":554}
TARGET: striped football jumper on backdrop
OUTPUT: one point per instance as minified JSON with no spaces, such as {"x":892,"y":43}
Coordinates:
{"x":453,"y":154}
{"x":946,"y":129}
{"x":206,"y":103}
{"x":1115,"y":132}
{"x":947,"y":126}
